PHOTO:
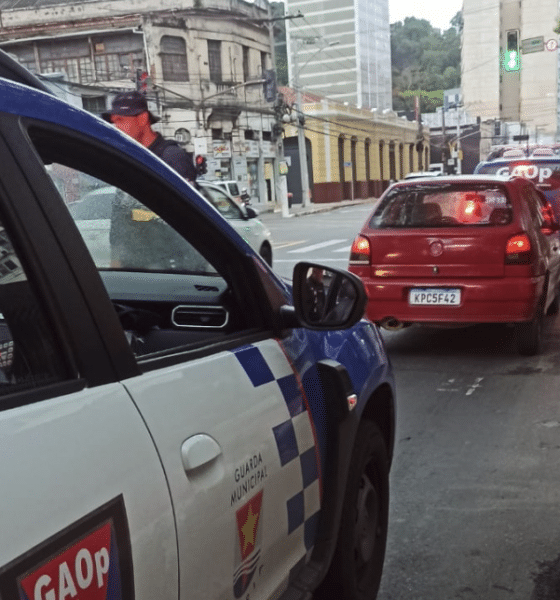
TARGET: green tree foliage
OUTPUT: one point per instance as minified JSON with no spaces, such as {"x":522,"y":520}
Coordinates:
{"x":424,"y":60}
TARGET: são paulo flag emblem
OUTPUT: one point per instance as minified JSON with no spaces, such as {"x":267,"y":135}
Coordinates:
{"x":248,"y":549}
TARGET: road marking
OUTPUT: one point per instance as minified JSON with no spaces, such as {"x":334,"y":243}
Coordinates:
{"x":288,"y":244}
{"x":316,"y":246}
{"x":444,"y":386}
{"x":475,"y":385}
{"x":315,"y":260}
{"x":345,"y":249}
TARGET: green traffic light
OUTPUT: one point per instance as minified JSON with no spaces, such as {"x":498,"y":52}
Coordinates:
{"x":511,"y":61}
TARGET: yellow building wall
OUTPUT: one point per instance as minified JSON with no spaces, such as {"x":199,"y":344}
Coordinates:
{"x":326,"y":123}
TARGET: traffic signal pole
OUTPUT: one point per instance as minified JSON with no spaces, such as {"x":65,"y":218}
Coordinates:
{"x":280,"y":182}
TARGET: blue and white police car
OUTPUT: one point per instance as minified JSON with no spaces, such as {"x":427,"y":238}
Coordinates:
{"x":180,"y":423}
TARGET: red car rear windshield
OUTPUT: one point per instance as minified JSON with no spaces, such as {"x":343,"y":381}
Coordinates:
{"x":443,"y":206}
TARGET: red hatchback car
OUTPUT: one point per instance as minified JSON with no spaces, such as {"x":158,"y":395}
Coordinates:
{"x":461,"y":250}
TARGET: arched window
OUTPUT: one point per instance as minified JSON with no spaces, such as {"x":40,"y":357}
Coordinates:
{"x":411,"y":157}
{"x":401,"y":160}
{"x":381,"y":161}
{"x":174,"y":58}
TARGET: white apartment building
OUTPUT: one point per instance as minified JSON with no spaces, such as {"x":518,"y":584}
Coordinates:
{"x":528,"y":96}
{"x":341,"y":49}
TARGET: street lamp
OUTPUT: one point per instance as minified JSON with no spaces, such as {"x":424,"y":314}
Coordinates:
{"x":306,"y":199}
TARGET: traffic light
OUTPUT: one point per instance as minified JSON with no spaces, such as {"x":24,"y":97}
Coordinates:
{"x":511,"y":60}
{"x":201,"y":167}
{"x":269,"y":85}
{"x":277,"y":130}
{"x":143,"y":81}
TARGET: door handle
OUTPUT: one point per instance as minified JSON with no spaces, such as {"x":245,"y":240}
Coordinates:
{"x":199,"y":450}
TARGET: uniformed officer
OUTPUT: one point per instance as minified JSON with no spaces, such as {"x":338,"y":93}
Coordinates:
{"x":130,"y":114}
{"x":138,"y":237}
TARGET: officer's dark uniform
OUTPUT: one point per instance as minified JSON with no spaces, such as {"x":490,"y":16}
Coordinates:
{"x":176,"y":157}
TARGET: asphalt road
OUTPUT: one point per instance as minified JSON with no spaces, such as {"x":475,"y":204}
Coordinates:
{"x":475,"y":484}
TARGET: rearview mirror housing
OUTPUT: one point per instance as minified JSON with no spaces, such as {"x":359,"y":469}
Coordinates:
{"x":327,"y":297}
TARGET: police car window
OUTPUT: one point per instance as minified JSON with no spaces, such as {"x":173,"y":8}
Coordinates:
{"x":121,"y":232}
{"x":168,"y":269}
{"x":28,"y":352}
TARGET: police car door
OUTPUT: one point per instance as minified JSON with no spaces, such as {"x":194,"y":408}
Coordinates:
{"x":85,"y":508}
{"x":221,"y":401}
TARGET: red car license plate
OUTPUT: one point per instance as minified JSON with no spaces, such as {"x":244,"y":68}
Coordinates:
{"x":435,"y":296}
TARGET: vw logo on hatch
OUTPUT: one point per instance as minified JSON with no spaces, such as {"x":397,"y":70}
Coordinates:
{"x":436,"y":248}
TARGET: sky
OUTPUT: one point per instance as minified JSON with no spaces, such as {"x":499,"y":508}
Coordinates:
{"x":438,"y":12}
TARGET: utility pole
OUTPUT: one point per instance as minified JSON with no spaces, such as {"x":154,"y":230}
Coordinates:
{"x":280,"y":184}
{"x":305,"y":199}
{"x":306,"y":195}
{"x":458,"y":144}
{"x":444,"y":138}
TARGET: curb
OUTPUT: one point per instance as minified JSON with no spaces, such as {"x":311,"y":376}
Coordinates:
{"x":317,"y":208}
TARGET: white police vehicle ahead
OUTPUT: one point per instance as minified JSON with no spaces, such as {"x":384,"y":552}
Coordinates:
{"x":182,"y":424}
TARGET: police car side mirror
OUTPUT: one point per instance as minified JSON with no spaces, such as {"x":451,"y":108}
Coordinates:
{"x":326,"y":297}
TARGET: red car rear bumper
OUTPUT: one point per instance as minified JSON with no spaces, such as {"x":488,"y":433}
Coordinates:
{"x":507,"y":300}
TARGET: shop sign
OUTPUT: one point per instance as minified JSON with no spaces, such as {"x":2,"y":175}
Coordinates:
{"x":269,"y":149}
{"x":200,"y":146}
{"x":214,"y":169}
{"x":221,"y":148}
{"x":239,"y":164}
{"x":250,"y":148}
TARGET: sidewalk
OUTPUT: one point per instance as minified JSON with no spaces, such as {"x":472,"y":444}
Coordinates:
{"x":297,"y":210}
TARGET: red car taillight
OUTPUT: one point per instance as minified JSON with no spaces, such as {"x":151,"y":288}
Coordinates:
{"x":360,"y":250}
{"x":518,"y":250}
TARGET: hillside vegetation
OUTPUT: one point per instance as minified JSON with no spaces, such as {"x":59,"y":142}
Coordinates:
{"x":425,"y":61}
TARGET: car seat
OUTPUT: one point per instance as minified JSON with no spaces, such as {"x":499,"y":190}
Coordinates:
{"x":427,"y":214}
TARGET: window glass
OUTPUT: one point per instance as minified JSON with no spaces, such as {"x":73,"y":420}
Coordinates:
{"x":451,"y":206}
{"x":222,"y":202}
{"x":215,"y":60}
{"x":121,"y":232}
{"x":169,"y":272}
{"x":28,"y":351}
{"x":174,"y":58}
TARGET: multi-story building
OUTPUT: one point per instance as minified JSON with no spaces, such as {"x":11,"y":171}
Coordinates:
{"x":205,"y":69}
{"x":201,"y":65}
{"x":358,"y":69}
{"x":510,"y":65}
